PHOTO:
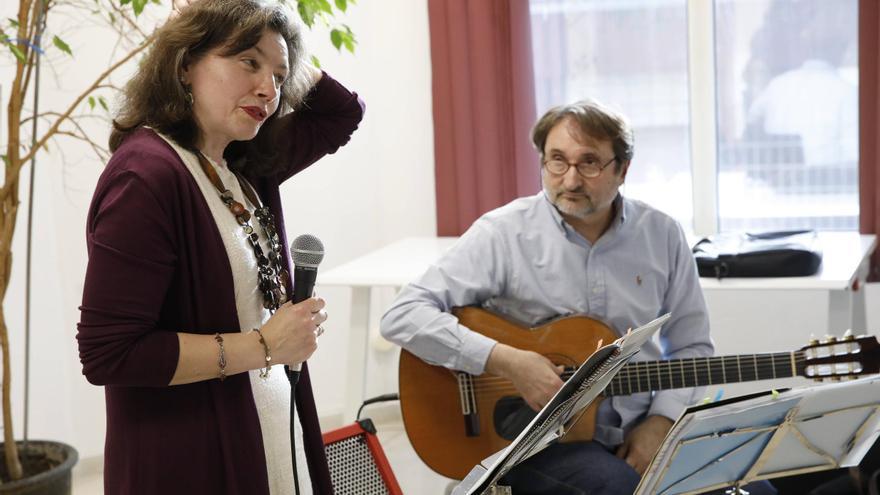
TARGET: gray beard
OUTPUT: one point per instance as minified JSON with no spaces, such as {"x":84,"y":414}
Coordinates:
{"x":568,"y":209}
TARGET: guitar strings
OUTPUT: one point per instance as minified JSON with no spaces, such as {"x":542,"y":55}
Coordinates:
{"x":663,"y":376}
{"x":671,"y":371}
{"x":712,"y":374}
{"x":640,"y":369}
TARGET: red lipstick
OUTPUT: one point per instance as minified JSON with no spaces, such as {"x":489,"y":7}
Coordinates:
{"x":256,"y":113}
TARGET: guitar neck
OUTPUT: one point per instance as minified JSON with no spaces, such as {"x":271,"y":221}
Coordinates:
{"x":646,"y":376}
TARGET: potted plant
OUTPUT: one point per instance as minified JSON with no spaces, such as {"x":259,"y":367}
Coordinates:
{"x":44,"y":467}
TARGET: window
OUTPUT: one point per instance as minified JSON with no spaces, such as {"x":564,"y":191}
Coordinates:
{"x":745,"y":112}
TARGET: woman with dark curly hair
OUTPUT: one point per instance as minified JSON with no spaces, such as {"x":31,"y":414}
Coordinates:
{"x":184,"y":313}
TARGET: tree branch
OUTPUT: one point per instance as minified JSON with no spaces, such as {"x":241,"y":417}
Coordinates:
{"x":128,"y":19}
{"x":45,"y":115}
{"x":52,"y":130}
{"x":102,"y":152}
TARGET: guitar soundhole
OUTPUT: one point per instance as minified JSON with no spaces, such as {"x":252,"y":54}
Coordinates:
{"x":511,"y":416}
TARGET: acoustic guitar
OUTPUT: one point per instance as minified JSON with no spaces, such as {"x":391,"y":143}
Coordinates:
{"x":454,"y":420}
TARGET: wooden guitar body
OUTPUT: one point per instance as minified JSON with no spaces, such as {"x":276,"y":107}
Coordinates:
{"x":453,"y":419}
{"x":430,"y":398}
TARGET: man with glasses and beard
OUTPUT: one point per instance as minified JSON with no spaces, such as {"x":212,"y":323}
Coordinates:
{"x":577,"y":247}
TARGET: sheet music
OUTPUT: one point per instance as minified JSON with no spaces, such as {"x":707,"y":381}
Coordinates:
{"x":576,"y":393}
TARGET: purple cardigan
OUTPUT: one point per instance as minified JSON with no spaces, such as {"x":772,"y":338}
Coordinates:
{"x":157,"y":266}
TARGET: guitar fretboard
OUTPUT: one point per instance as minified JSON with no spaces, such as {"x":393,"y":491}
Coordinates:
{"x":645,"y":376}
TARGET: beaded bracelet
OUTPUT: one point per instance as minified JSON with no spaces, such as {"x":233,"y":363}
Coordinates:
{"x":264,"y":373}
{"x":222,"y":360}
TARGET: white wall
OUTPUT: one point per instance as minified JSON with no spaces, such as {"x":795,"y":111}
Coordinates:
{"x":378,"y":188}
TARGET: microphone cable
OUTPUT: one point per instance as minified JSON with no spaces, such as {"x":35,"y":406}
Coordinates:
{"x":373,"y":400}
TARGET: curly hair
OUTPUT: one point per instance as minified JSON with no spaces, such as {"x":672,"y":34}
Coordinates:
{"x":156,"y":97}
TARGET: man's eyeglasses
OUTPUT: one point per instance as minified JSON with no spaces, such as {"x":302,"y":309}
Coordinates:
{"x":589,"y":168}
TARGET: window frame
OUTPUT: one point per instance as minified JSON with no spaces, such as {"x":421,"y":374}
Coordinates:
{"x":703,"y":115}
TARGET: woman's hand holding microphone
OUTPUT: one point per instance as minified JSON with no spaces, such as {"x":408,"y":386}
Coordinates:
{"x":292,"y":332}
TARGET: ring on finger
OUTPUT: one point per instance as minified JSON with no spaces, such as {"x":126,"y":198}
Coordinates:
{"x":319,"y":331}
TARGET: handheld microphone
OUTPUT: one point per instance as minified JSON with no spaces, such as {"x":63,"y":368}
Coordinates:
{"x":307,"y":252}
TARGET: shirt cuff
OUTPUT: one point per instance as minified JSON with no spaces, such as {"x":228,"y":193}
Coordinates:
{"x":476,"y":348}
{"x":328,"y":93}
{"x":667,"y":405}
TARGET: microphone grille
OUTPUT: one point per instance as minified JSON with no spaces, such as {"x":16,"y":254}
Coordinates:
{"x":307,"y":251}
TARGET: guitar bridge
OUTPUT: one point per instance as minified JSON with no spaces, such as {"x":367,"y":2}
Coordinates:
{"x":468,"y":404}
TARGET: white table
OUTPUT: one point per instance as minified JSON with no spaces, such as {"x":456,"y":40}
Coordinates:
{"x":394,"y":265}
{"x":843,"y":267}
{"x":845,"y":260}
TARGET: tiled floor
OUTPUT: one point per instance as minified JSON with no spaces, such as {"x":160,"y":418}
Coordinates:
{"x":414,"y":477}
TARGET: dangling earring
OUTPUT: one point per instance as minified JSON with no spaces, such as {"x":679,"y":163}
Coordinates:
{"x":187,"y":92}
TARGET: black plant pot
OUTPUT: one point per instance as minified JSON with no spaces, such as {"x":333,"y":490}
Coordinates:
{"x":47,"y":468}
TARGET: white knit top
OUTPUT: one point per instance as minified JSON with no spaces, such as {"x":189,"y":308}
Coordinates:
{"x":271,"y":395}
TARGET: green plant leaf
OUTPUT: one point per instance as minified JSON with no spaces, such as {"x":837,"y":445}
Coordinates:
{"x":138,"y":6}
{"x":14,"y":23}
{"x":324,"y":5}
{"x":316,"y":62}
{"x":341,"y":5}
{"x":307,"y":12}
{"x":15,"y":51}
{"x":336,"y":38}
{"x":92,"y":102}
{"x":124,"y":2}
{"x":61,"y":45}
{"x":347,"y":38}
{"x":103,"y":102}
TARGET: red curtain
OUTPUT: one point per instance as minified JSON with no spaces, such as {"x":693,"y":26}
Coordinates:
{"x":484,"y":107}
{"x":869,"y":113}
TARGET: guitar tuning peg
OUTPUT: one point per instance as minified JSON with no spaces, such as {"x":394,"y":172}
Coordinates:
{"x":848,"y":335}
{"x":830,"y":339}
{"x":813,"y":340}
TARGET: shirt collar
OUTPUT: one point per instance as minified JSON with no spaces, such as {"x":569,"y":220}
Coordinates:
{"x":620,"y":207}
{"x":554,"y":213}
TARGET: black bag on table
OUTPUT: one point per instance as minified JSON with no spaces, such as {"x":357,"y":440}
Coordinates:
{"x":793,"y":253}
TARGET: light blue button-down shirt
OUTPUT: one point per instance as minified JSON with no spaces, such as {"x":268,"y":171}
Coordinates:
{"x":524,"y":261}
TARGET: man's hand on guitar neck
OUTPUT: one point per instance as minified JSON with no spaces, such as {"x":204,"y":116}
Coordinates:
{"x":642,"y":442}
{"x":534,"y":376}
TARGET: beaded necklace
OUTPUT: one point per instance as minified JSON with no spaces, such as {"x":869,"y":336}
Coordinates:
{"x":271,"y":273}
